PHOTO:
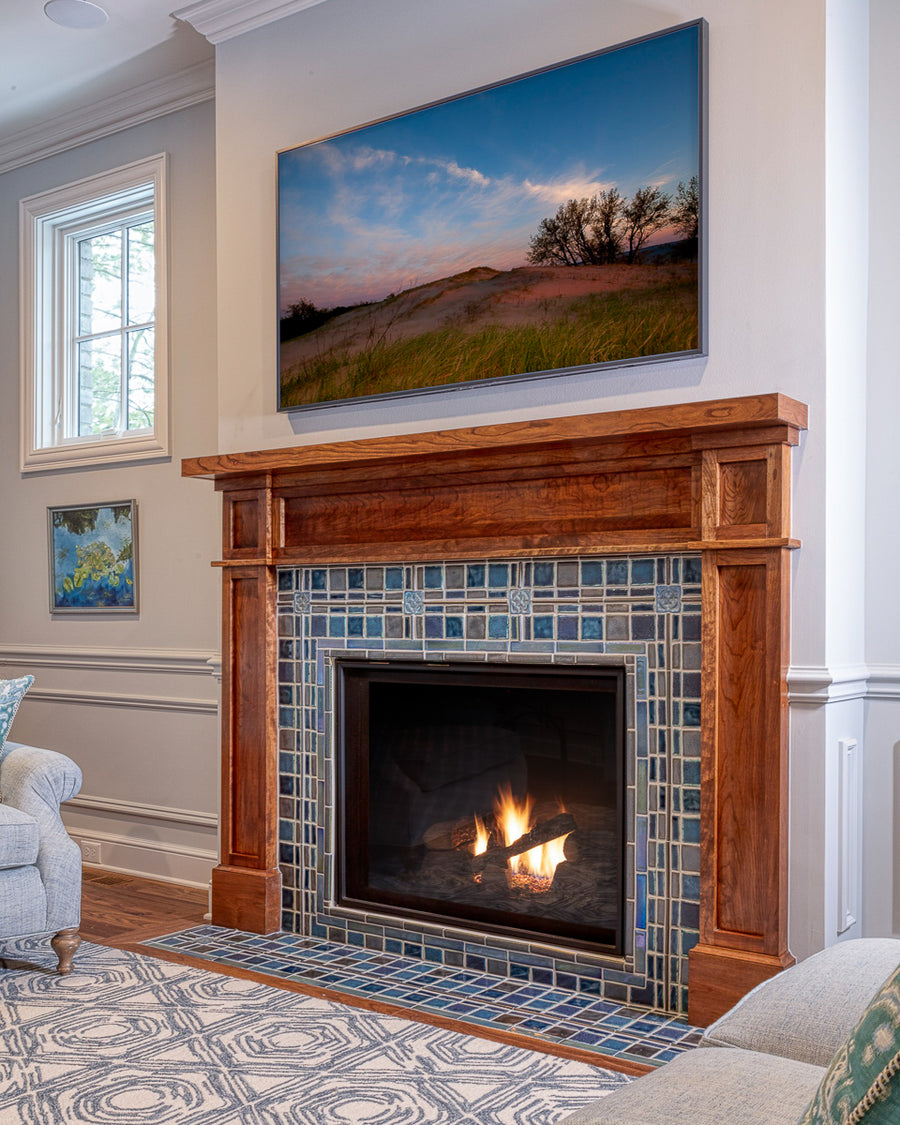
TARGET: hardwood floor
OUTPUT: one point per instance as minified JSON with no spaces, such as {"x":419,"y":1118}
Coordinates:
{"x":120,"y":910}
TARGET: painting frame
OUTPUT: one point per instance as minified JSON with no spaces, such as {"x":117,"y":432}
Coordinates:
{"x":312,"y":274}
{"x":93,"y":558}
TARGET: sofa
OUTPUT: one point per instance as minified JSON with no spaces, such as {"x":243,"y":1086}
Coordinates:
{"x":40,"y":865}
{"x":818,"y":1044}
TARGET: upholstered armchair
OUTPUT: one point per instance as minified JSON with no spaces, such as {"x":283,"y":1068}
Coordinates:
{"x":40,"y":865}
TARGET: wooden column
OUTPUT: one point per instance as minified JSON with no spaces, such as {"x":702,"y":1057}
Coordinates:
{"x":708,"y":477}
{"x":246,"y":886}
{"x":744,"y":764}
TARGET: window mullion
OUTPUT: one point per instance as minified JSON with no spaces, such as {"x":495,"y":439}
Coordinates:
{"x":123,"y":347}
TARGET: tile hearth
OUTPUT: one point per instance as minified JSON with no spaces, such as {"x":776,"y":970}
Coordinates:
{"x":546,"y":1013}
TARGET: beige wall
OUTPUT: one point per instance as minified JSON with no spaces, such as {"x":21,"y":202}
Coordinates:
{"x":131,"y":698}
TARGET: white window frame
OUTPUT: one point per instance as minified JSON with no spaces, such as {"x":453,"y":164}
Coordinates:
{"x":48,"y":305}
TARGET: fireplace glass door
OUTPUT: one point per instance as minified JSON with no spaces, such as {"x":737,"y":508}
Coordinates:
{"x":490,"y":795}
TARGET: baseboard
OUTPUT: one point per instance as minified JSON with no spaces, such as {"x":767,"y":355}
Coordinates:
{"x":151,"y":859}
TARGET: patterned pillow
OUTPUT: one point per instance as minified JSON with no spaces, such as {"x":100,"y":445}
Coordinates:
{"x":862,"y":1085}
{"x":11,"y":693}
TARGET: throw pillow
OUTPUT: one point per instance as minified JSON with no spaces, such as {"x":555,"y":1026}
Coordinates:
{"x":11,"y":693}
{"x":861,"y":1086}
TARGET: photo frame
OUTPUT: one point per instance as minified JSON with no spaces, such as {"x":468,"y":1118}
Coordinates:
{"x":547,"y":224}
{"x":93,"y":557}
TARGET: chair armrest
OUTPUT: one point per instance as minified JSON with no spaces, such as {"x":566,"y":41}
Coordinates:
{"x":37,"y":781}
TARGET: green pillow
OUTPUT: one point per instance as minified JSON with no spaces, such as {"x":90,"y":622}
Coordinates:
{"x":11,"y":693}
{"x":861,"y":1084}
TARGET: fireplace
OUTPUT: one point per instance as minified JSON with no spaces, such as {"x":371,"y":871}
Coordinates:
{"x":490,"y":797}
{"x":705,"y":479}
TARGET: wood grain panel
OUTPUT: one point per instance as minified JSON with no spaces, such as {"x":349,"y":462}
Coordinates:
{"x":745,"y":868}
{"x":250,"y":723}
{"x":658,"y":498}
{"x":742,"y":493}
{"x":245,"y":523}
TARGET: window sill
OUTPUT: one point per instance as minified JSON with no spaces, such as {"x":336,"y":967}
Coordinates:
{"x":106,"y":452}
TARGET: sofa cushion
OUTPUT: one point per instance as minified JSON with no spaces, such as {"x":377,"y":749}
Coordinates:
{"x":709,"y":1088}
{"x":19,"y":838}
{"x":862,"y":1086}
{"x":11,"y":693}
{"x":808,"y":1011}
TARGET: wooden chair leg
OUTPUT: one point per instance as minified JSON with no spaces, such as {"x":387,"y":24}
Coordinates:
{"x":65,"y":943}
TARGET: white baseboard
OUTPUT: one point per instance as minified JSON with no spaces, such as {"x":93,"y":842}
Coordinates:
{"x":152,"y":859}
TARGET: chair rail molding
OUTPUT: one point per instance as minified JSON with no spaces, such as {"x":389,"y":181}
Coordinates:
{"x":816,"y":685}
{"x":884,"y":681}
{"x":171,"y":815}
{"x":179,"y":661}
{"x":120,"y":699}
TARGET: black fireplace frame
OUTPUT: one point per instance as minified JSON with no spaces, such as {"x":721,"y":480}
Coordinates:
{"x":351,"y":680}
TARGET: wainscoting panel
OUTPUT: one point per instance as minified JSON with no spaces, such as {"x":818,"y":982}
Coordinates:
{"x":143,"y":726}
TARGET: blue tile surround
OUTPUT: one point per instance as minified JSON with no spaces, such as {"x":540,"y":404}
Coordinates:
{"x":543,"y":1013}
{"x":639,"y":612}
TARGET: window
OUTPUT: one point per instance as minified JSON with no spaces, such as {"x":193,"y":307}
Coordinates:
{"x":94,"y":374}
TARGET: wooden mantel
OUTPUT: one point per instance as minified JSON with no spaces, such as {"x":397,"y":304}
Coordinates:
{"x":712,"y":477}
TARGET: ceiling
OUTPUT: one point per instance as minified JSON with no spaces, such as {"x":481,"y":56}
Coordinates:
{"x":47,"y":70}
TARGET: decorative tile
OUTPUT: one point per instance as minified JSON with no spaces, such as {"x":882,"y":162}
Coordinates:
{"x":668,"y":599}
{"x":520,"y":600}
{"x":413,"y":602}
{"x":546,"y":1013}
{"x":563,"y":611}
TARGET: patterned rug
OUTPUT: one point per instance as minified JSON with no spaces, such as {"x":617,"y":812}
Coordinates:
{"x":128,"y":1039}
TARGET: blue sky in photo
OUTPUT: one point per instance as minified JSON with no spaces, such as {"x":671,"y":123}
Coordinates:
{"x":466,"y":183}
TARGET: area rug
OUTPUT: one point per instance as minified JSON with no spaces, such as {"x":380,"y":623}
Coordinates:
{"x":128,"y":1039}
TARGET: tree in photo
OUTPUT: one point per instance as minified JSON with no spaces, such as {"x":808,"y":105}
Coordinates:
{"x":607,"y":224}
{"x":644,"y":214}
{"x":686,"y":214}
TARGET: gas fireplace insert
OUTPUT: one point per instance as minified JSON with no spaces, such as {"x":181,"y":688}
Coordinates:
{"x":488,"y":796}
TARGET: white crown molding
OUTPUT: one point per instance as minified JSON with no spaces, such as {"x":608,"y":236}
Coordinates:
{"x":24,"y":658}
{"x":219,"y":20}
{"x":109,"y":115}
{"x":814,"y":686}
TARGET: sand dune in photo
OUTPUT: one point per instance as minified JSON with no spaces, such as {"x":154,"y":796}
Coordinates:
{"x":470,"y":301}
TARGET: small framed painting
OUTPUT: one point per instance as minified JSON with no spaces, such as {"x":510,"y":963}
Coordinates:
{"x":93,"y":558}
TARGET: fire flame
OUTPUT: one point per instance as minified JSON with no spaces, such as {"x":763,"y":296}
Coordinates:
{"x":482,"y":836}
{"x":534,"y":867}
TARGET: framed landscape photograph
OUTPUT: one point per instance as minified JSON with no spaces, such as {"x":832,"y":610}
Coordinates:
{"x":93,"y":558}
{"x":550,"y":223}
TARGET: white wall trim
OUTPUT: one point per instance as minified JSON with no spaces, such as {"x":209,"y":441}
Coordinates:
{"x":116,"y":807}
{"x":170,"y":863}
{"x":815,"y":686}
{"x":109,"y":115}
{"x":219,"y":20}
{"x":181,"y":662}
{"x":117,"y":699}
{"x":884,"y":681}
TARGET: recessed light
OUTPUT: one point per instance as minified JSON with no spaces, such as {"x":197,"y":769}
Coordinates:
{"x":75,"y":13}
